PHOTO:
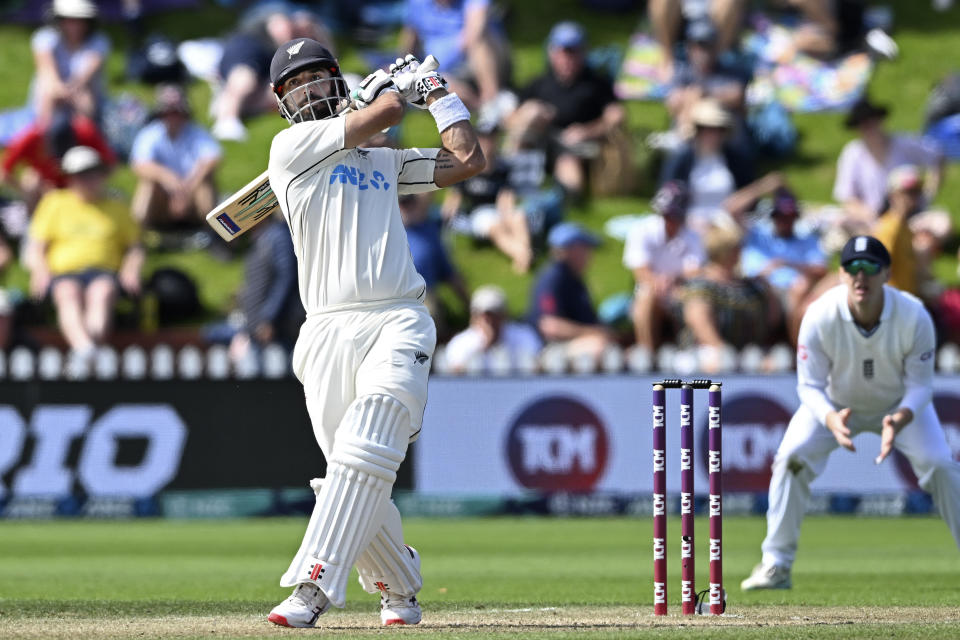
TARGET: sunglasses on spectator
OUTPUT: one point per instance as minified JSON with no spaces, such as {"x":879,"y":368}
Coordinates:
{"x":869,"y":267}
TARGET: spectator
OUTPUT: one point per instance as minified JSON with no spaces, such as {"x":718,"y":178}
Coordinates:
{"x":430,"y":257}
{"x":41,"y":148}
{"x":864,"y":166}
{"x":69,"y":58}
{"x":561,"y":308}
{"x":6,"y":305}
{"x":487,"y":206}
{"x":570,"y":108}
{"x":662,"y":252}
{"x":719,"y":308}
{"x":720,"y":175}
{"x":468,"y":42}
{"x":268,"y":303}
{"x":790,"y":261}
{"x":704,"y":75}
{"x":175,"y":160}
{"x":490,"y":329}
{"x":906,"y":233}
{"x":667,"y":18}
{"x":82,"y":248}
{"x":245,"y":66}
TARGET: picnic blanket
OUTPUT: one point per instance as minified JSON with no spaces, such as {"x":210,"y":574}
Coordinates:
{"x":799,"y":82}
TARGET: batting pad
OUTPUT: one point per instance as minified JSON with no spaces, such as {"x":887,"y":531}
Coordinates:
{"x":387,"y":564}
{"x":369,"y":446}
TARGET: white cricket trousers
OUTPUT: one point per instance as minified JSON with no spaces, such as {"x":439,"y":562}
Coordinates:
{"x":351,"y":356}
{"x":802,"y":456}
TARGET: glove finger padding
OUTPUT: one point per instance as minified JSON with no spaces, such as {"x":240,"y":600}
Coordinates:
{"x":371,"y":87}
{"x":416,"y":80}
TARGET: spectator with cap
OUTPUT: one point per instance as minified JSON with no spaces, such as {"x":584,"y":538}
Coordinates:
{"x":911,"y":236}
{"x":69,"y":56}
{"x":175,"y":161}
{"x":490,"y":329}
{"x":569,"y":110}
{"x":40,"y":149}
{"x":470,"y":44}
{"x":561,"y":308}
{"x":865,"y":163}
{"x":430,"y":256}
{"x":662,"y":252}
{"x":83,"y":247}
{"x":721,"y":177}
{"x":790,"y":260}
{"x":704,"y":75}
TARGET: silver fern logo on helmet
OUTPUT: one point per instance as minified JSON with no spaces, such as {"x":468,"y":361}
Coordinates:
{"x":295,"y":49}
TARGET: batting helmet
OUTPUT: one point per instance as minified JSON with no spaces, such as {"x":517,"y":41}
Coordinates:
{"x":299,"y":55}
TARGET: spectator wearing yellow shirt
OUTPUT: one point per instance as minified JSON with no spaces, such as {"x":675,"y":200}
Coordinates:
{"x":82,"y":248}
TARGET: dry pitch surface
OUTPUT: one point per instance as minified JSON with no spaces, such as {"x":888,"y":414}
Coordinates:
{"x":597,"y":621}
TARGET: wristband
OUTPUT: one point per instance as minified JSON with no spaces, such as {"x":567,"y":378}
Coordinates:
{"x":448,"y":110}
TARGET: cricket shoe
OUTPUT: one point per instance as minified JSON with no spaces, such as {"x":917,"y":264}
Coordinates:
{"x":307,"y":603}
{"x":770,"y":576}
{"x":397,"y":608}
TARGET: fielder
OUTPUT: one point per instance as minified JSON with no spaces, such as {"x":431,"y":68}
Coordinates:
{"x":864,"y":363}
{"x":364,"y":351}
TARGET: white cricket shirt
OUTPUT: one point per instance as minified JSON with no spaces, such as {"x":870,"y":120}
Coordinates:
{"x":839,"y":367}
{"x":341,"y":207}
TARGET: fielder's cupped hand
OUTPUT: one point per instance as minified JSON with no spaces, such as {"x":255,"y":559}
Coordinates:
{"x":837,"y":423}
{"x":891,"y":426}
{"x":371,"y":87}
{"x":416,"y":80}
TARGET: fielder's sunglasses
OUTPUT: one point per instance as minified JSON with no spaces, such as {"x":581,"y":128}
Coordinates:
{"x":869,"y":267}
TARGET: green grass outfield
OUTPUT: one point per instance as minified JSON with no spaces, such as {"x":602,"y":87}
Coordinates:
{"x":498,"y":577}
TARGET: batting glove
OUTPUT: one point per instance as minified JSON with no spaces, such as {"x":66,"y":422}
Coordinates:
{"x":371,"y":87}
{"x":416,"y":80}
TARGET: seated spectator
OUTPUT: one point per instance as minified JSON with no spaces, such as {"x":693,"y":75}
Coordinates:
{"x":910,"y":235}
{"x":667,"y":19}
{"x":561,"y":308}
{"x":468,"y":42}
{"x":490,"y":328}
{"x":69,"y":57}
{"x":487,"y":206}
{"x":703,"y":75}
{"x":569,"y":109}
{"x":268,"y":302}
{"x":662,"y":252}
{"x":175,"y":160}
{"x":791,"y":262}
{"x":41,"y":148}
{"x":719,"y":308}
{"x":82,"y":248}
{"x":865,"y":163}
{"x":245,"y":66}
{"x":430,"y":256}
{"x":721,"y":176}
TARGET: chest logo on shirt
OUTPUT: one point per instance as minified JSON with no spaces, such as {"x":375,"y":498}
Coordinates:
{"x":345,"y":174}
{"x":868,"y":368}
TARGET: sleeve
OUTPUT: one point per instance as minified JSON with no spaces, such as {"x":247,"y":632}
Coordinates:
{"x":207,"y":146}
{"x":143,"y":145}
{"x":44,"y":40}
{"x":307,"y":144}
{"x":462,"y":347}
{"x":18,"y":148}
{"x":813,"y":367}
{"x":42,"y":224}
{"x":843,"y":189}
{"x":813,"y":253}
{"x":284,"y":275}
{"x":752,"y":260}
{"x":417,"y":167}
{"x":635,"y":252}
{"x":918,"y":365}
{"x":100,"y":45}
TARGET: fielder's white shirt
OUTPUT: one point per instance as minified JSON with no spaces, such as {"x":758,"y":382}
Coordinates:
{"x":839,"y":367}
{"x":647,"y":245}
{"x":341,"y":207}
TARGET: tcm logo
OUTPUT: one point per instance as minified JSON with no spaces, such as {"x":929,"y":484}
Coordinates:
{"x":345,"y":174}
{"x":753,"y":426}
{"x":659,"y":549}
{"x":686,"y":504}
{"x":557,"y":444}
{"x":948,"y":410}
{"x":658,"y":417}
{"x":659,"y":504}
{"x":659,"y":593}
{"x":714,"y":549}
{"x":131,"y":451}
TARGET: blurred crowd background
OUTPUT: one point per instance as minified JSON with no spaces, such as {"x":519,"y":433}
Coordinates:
{"x":668,"y":181}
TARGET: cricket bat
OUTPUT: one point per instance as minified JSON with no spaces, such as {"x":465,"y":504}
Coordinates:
{"x":245,"y":209}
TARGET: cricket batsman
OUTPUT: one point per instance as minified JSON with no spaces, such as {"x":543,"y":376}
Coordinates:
{"x":864,"y":363}
{"x":364,"y":351}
